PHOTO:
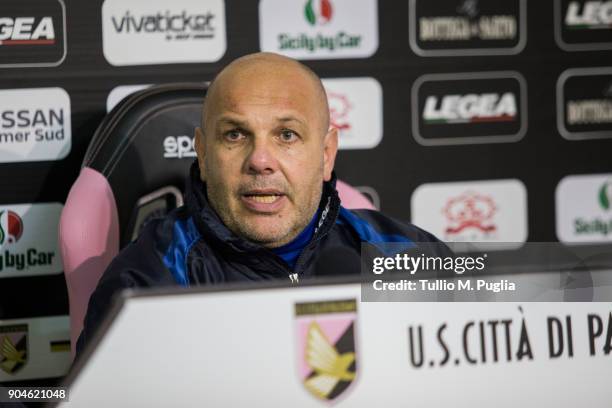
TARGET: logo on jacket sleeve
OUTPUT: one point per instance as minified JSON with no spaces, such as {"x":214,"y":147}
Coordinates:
{"x":327,"y":356}
{"x":13,"y":347}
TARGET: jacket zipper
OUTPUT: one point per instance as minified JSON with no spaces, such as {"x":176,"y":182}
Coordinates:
{"x":294,"y":276}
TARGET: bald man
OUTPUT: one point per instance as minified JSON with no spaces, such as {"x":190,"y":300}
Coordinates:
{"x":261,"y":202}
{"x":265,"y":147}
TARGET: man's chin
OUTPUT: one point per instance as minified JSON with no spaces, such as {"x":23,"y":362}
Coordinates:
{"x":266,"y":234}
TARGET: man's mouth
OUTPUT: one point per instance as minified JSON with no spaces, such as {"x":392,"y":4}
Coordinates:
{"x":263,"y":200}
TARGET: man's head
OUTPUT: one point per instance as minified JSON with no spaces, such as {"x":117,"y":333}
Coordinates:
{"x":265,"y":147}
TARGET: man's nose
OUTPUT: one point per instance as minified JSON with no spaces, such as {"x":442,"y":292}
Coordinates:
{"x":261,"y":159}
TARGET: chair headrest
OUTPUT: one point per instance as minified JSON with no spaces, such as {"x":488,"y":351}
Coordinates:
{"x":144,"y":148}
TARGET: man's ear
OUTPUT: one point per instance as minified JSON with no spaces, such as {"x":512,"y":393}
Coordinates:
{"x":330,"y":148}
{"x":200,"y":148}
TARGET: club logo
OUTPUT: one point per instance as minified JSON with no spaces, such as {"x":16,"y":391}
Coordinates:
{"x":13,"y":347}
{"x":182,"y":31}
{"x":327,"y":354}
{"x":320,"y":29}
{"x":584,"y":103}
{"x":584,"y":208}
{"x":450,"y":109}
{"x":355,"y":109}
{"x":11,"y":227}
{"x":32,"y":33}
{"x":583,"y":25}
{"x":469,"y":216}
{"x":467,"y":27}
{"x":473,"y":211}
{"x":318,"y":12}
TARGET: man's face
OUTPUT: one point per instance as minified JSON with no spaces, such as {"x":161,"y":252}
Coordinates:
{"x":265,"y":151}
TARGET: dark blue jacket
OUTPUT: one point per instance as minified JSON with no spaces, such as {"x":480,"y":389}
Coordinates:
{"x":191,"y":246}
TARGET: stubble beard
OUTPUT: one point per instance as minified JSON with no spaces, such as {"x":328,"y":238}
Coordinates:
{"x":272,"y":237}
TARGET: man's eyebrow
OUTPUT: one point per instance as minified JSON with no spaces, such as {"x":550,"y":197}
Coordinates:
{"x":232,"y":121}
{"x":286,"y":119}
{"x":228,"y":120}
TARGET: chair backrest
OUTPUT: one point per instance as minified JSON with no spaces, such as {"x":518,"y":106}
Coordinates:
{"x":134,"y":170}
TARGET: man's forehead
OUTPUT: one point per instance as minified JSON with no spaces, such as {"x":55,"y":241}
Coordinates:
{"x":264,"y":81}
{"x":234,"y":118}
{"x":242,"y":99}
{"x":262,"y":86}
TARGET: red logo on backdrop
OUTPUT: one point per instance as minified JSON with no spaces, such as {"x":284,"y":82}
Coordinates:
{"x":470,"y":210}
{"x":11,"y":227}
{"x":339,"y":108}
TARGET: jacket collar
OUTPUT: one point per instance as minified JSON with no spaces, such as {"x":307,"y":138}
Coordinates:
{"x":218,"y":235}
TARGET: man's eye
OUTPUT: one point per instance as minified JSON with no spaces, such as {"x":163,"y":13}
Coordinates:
{"x":288,"y":135}
{"x":233,"y":135}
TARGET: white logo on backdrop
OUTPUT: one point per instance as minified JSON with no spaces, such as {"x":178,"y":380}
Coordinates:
{"x":584,"y":208}
{"x":161,"y":32}
{"x":28,"y":239}
{"x":356,"y":110}
{"x":178,"y":147}
{"x":35,"y":124}
{"x":473,"y":211}
{"x":471,"y":108}
{"x":319,"y":29}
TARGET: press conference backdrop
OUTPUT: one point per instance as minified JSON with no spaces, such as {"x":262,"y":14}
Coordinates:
{"x":477,"y":120}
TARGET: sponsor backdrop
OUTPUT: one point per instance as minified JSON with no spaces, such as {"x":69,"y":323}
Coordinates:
{"x":488,"y":121}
